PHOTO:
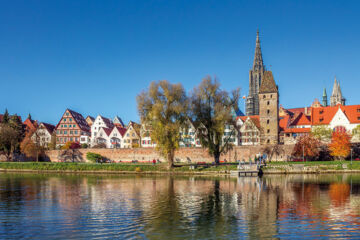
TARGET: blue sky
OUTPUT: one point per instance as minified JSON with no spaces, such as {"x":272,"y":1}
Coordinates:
{"x":96,"y":56}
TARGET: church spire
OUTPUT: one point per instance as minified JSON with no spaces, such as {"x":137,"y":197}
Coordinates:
{"x":324,"y":98}
{"x":258,"y":61}
{"x":336,"y":96}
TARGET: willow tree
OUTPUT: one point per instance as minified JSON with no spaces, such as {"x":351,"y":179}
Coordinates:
{"x":163,"y":107}
{"x":211,"y":110}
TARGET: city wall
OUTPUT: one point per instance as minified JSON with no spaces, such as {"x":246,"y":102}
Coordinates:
{"x":187,"y":155}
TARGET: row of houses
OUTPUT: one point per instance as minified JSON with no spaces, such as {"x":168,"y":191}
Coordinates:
{"x":247,"y":130}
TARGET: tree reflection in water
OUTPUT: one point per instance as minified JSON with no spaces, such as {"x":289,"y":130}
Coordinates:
{"x":168,"y":207}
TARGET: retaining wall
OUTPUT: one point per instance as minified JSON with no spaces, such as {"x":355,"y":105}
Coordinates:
{"x":192,"y":155}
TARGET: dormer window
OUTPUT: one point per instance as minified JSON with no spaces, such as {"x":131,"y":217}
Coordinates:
{"x":321,"y":111}
{"x":321,"y":119}
{"x":358,"y":110}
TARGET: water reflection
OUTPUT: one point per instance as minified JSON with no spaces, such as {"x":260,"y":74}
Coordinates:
{"x":158,"y":207}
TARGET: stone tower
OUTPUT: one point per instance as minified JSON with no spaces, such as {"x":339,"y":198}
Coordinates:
{"x":269,"y":110}
{"x":324,"y":98}
{"x":255,"y":77}
{"x":336,"y":96}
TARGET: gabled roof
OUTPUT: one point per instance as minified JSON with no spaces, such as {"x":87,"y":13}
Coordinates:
{"x":121,"y":130}
{"x":30,"y":124}
{"x":49,"y":127}
{"x":254,"y":118}
{"x":118,"y":120}
{"x":107,"y":121}
{"x":79,"y":120}
{"x":324,"y":115}
{"x":90,"y":117}
{"x":268,"y":84}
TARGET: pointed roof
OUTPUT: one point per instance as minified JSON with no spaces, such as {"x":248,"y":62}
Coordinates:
{"x":118,"y":120}
{"x":324,"y":93}
{"x":336,"y":87}
{"x":78,"y":118}
{"x":107,"y":122}
{"x":268,"y":84}
{"x":258,"y":60}
{"x":49,"y":127}
{"x":121,"y":130}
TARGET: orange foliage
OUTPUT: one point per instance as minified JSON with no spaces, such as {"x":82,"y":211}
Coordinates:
{"x":309,"y":144}
{"x":340,"y":145}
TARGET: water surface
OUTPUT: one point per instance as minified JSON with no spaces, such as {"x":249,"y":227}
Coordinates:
{"x":49,"y":206}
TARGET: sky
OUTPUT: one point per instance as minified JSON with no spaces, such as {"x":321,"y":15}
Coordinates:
{"x":94,"y":57}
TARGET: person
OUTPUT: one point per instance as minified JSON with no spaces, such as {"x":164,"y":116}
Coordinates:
{"x":154,"y":161}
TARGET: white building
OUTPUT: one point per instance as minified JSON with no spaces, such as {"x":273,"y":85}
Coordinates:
{"x":100,"y":122}
{"x":43,"y":133}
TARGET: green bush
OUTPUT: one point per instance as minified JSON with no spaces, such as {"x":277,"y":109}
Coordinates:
{"x":84,"y":145}
{"x":94,"y":157}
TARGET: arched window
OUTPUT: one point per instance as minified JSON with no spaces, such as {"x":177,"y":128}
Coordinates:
{"x":340,"y":129}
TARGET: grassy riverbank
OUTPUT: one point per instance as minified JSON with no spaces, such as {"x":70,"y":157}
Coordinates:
{"x":312,"y":166}
{"x":111,"y":167}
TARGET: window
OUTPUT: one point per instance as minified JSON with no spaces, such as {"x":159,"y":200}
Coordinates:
{"x":74,"y":125}
{"x":358,"y":118}
{"x":358,"y":110}
{"x":271,"y":96}
{"x":65,"y":125}
{"x":268,"y":111}
{"x":76,"y":132}
{"x":61,"y":132}
{"x":264,"y":96}
{"x":71,"y":132}
{"x":268,"y":121}
{"x":67,"y":114}
{"x":268,"y":131}
{"x":65,"y":132}
{"x":62,"y":125}
{"x":64,"y":119}
{"x":268,"y":141}
{"x":321,"y":119}
{"x":71,"y":139}
{"x":70,"y":119}
{"x":57,"y":132}
{"x":133,"y":134}
{"x":268,"y":102}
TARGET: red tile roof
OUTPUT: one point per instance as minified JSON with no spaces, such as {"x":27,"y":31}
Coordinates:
{"x":121,"y":130}
{"x":255,"y":119}
{"x":324,"y":115}
{"x":297,"y":130}
{"x":107,"y":131}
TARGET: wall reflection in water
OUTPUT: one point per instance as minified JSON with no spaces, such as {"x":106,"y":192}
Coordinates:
{"x":158,"y":207}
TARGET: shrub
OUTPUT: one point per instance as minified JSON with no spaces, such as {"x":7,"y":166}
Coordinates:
{"x":84,"y":145}
{"x":94,"y":157}
{"x":138,"y":169}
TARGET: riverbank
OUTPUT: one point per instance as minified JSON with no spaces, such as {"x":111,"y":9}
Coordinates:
{"x":113,"y":168}
{"x":312,"y":167}
{"x":143,"y":168}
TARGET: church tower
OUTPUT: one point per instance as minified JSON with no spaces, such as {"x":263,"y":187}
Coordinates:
{"x":269,"y":110}
{"x":324,"y":98}
{"x":255,"y":77}
{"x":336,"y":96}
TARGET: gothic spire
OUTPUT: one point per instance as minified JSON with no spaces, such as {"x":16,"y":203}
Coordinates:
{"x":324,"y":98}
{"x":258,"y":61}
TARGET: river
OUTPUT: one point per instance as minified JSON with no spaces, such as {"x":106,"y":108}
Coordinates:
{"x":51,"y":206}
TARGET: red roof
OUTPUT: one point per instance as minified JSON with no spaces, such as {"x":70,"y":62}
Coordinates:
{"x":255,"y":119}
{"x":121,"y":130}
{"x":324,"y":115}
{"x":107,"y":131}
{"x":107,"y":122}
{"x":297,"y":130}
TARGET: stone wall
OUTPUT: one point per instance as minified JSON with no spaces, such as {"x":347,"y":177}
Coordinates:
{"x":192,"y":155}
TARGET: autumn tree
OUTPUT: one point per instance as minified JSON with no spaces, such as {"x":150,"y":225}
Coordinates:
{"x":322,"y":133}
{"x":210,"y":110}
{"x":307,"y":146}
{"x":163,"y":107}
{"x":52,"y":144}
{"x":270,"y":151}
{"x":30,"y":145}
{"x":356,"y":132}
{"x":340,"y":145}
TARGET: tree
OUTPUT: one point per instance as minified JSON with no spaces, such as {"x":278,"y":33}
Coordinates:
{"x":163,"y":107}
{"x":52,"y":144}
{"x":270,"y":151}
{"x":94,"y":157}
{"x":307,"y":146}
{"x":322,"y":133}
{"x":210,"y":110}
{"x":356,"y":132}
{"x":6,"y":117}
{"x":340,"y":145}
{"x":8,"y":141}
{"x":30,"y":145}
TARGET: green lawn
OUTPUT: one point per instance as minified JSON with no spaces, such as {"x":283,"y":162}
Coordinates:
{"x":136,"y":167}
{"x":322,"y":164}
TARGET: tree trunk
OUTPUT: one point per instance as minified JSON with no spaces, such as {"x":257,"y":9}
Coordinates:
{"x":217,"y":158}
{"x":170,"y":159}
